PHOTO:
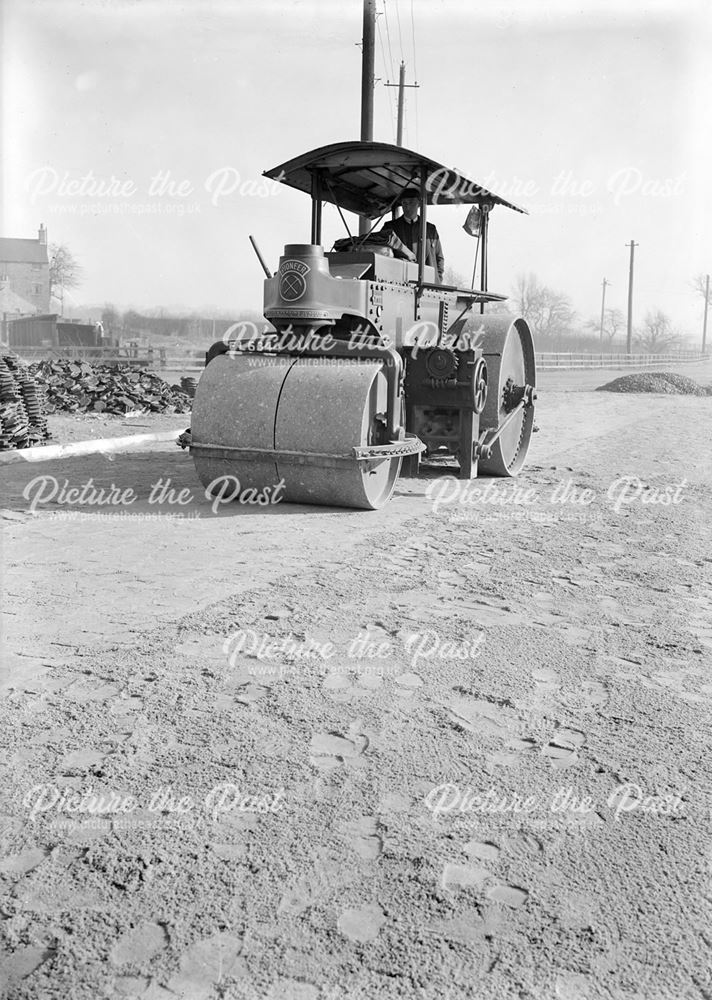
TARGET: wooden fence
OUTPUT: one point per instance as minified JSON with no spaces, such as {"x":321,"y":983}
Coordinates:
{"x":143,"y":357}
{"x":547,"y":361}
{"x":194,"y":361}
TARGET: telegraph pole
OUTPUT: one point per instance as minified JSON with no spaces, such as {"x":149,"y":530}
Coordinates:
{"x":368,"y":65}
{"x":629,"y":341}
{"x":603,"y":305}
{"x":704,"y":321}
{"x":401,"y":100}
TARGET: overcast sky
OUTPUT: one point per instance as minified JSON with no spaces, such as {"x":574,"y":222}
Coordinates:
{"x":594,"y":115}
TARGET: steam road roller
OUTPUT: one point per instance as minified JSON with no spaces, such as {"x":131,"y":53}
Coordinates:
{"x":369,"y":366}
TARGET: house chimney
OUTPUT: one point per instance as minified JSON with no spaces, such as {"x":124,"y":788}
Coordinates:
{"x":42,"y":236}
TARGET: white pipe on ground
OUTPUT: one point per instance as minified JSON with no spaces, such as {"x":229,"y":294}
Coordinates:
{"x":46,"y":453}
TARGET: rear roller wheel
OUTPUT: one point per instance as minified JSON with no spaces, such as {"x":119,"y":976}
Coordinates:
{"x":509,"y":352}
{"x":267,"y":419}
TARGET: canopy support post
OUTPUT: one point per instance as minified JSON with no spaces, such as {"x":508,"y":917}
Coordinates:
{"x":316,"y":209}
{"x":484,"y":233}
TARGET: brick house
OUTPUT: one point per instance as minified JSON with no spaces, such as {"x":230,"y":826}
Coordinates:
{"x":26,"y":264}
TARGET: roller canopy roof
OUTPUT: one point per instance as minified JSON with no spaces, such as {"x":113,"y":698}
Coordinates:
{"x":368,"y":177}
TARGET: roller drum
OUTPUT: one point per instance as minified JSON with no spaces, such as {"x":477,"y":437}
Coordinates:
{"x":277,"y":404}
{"x":234,"y":406}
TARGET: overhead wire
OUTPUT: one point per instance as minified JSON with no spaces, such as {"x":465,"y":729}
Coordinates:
{"x":400,"y":34}
{"x":415,"y":75}
{"x":388,"y":35}
{"x":412,"y":23}
{"x":400,"y":40}
{"x":388,"y":77}
{"x":402,"y":55}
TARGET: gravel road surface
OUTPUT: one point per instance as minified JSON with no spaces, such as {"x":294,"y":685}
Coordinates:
{"x":455,"y":748}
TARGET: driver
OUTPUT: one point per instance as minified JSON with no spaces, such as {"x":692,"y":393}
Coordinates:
{"x":407,"y":229}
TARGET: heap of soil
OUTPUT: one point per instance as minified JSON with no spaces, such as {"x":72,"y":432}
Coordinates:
{"x":667,"y":382}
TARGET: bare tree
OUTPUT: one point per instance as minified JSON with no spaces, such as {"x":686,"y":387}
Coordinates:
{"x":699,"y":286}
{"x":548,"y":312}
{"x":527,"y":293}
{"x":613,"y":323}
{"x":657,"y":333}
{"x":64,"y":270}
{"x":111,"y":318}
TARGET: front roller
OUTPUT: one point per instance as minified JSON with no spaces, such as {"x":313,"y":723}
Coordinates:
{"x":317,"y":424}
{"x":508,"y":417}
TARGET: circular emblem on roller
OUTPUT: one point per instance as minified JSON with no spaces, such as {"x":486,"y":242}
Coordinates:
{"x":292,"y":284}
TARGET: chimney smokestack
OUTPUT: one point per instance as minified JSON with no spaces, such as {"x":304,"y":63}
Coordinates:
{"x":42,"y":235}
